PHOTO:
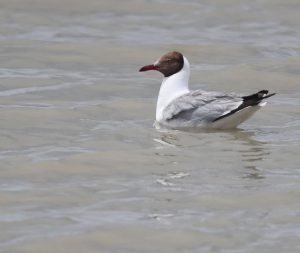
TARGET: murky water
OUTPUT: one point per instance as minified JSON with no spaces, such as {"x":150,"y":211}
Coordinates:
{"x":83,"y":169}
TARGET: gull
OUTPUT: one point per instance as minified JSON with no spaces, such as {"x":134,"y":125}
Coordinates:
{"x":180,"y":108}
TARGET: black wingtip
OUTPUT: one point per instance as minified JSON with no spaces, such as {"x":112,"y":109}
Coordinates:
{"x":270,"y":95}
{"x":262,"y":93}
{"x":251,"y":100}
{"x":258,"y":96}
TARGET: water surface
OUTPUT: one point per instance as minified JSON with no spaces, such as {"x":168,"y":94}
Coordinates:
{"x":83,"y":169}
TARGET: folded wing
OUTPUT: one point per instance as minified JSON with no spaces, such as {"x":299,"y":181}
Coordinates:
{"x":201,"y":106}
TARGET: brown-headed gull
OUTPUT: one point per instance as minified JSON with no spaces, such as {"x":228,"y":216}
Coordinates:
{"x":179,"y":108}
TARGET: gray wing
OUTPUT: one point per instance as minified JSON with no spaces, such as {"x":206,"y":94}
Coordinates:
{"x":201,"y":106}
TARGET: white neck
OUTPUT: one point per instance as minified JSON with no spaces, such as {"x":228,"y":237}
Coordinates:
{"x":172,"y":87}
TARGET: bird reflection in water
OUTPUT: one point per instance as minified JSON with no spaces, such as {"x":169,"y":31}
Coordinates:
{"x":246,"y":146}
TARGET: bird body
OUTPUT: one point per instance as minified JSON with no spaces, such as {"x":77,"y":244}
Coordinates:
{"x":179,"y":108}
